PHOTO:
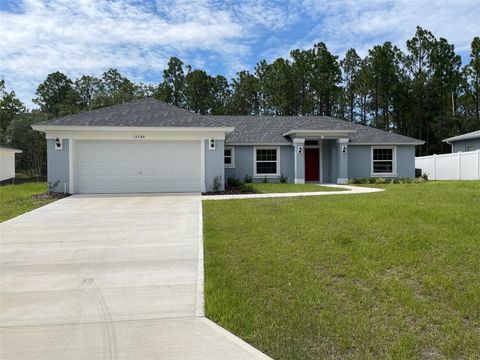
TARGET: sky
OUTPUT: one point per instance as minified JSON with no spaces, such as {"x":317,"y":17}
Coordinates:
{"x":138,"y":37}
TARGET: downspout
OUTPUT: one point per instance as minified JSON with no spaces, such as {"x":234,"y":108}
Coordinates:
{"x":449,"y":143}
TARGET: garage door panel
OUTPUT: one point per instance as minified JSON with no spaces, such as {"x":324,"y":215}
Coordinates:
{"x":131,"y":166}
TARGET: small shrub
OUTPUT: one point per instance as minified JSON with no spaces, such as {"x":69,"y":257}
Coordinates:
{"x":217,"y":183}
{"x":381,"y":180}
{"x":234,"y":182}
{"x":247,"y":179}
{"x":425,"y":176}
{"x":283,"y":179}
{"x":247,"y":188}
{"x":265,"y":180}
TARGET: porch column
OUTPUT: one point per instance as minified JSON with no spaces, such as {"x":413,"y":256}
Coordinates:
{"x":299,"y":160}
{"x":342,"y":177}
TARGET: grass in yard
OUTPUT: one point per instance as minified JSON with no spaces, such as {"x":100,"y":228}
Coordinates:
{"x":262,"y":188}
{"x":385,"y":275}
{"x":17,"y":199}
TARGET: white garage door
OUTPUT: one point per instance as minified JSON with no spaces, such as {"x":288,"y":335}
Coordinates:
{"x":137,"y":166}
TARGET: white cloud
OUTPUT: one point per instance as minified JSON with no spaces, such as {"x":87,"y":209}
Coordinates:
{"x":343,"y":24}
{"x":90,"y":36}
{"x":138,"y":37}
{"x":363,"y":24}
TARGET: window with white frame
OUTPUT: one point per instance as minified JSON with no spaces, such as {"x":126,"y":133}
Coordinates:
{"x":266,"y":161}
{"x":470,"y":148}
{"x":229,"y":157}
{"x":383,"y":160}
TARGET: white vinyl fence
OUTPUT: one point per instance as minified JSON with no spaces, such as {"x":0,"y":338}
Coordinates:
{"x":456,"y":166}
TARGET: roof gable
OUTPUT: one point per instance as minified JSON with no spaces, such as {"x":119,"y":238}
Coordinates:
{"x":141,"y":113}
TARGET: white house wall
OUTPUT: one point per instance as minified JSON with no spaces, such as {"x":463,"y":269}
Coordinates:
{"x":7,"y":165}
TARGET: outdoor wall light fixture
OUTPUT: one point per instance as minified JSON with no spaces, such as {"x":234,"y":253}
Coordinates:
{"x":58,"y":144}
{"x":212,"y":144}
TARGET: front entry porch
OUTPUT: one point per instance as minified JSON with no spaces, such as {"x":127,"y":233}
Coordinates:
{"x":321,"y":158}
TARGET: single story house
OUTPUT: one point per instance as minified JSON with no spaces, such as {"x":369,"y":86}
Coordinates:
{"x":7,"y":162}
{"x":466,"y":142}
{"x":151,"y":146}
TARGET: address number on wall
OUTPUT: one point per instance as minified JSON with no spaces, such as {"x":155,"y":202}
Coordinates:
{"x":139,"y":136}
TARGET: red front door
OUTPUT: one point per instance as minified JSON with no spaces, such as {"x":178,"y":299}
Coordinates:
{"x":312,"y":164}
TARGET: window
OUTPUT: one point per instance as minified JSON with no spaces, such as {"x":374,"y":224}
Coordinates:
{"x":383,"y":161}
{"x":470,"y":148}
{"x":229,"y":157}
{"x":266,"y":161}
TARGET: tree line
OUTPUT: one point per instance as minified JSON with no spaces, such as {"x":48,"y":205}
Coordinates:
{"x":423,"y":91}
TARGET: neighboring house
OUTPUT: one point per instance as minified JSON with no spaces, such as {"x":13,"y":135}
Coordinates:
{"x":7,"y":162}
{"x":465,"y":142}
{"x":151,"y":146}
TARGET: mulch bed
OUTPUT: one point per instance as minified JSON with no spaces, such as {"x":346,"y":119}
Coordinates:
{"x":46,"y":196}
{"x":229,"y":190}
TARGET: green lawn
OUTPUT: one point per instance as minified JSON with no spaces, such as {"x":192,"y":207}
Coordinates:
{"x":269,"y":188}
{"x":17,"y":199}
{"x":390,"y":275}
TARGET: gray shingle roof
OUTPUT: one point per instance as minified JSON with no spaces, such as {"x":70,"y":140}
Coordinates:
{"x":248,"y":129}
{"x":467,"y":136}
{"x":141,"y":113}
{"x":270,"y":129}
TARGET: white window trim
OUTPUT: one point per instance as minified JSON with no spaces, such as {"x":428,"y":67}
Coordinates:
{"x":255,"y":148}
{"x":232,"y":155}
{"x":394,"y":162}
{"x":470,"y":146}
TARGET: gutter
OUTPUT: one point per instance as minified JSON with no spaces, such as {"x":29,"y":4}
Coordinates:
{"x":44,"y":128}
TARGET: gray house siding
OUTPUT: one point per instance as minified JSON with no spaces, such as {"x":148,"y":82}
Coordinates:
{"x":57,"y":165}
{"x":462,"y":145}
{"x":287,"y":162}
{"x":244,"y":163}
{"x":360,"y":160}
{"x":214,"y":164}
{"x":329,"y":161}
{"x":406,"y":161}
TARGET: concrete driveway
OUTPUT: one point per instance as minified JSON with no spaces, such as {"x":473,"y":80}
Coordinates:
{"x":108,"y":277}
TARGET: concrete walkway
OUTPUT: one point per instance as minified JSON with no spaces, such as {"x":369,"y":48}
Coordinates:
{"x":345,"y":190}
{"x":108,"y":277}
